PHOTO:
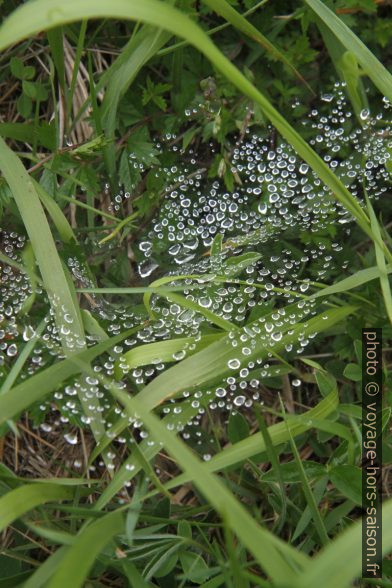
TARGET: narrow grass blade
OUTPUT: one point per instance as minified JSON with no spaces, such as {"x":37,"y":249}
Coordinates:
{"x":40,"y":236}
{"x":208,"y":314}
{"x":79,"y":558}
{"x":341,"y":561}
{"x":382,"y":267}
{"x":141,"y":48}
{"x":357,"y":279}
{"x":278,"y":433}
{"x":224,"y":9}
{"x":17,"y":502}
{"x":38,"y":386}
{"x":370,"y":64}
{"x":22,"y":358}
{"x":346,"y":65}
{"x":275,"y":465}
{"x":214,"y":362}
{"x":56,"y":214}
{"x":165,"y":350}
{"x":45,"y":570}
{"x":318,"y":521}
{"x":33,"y":17}
{"x":277,"y":558}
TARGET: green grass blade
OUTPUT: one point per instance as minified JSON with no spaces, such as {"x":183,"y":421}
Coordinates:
{"x":380,"y":258}
{"x":164,"y":350}
{"x":141,"y":48}
{"x":40,"y":236}
{"x":35,"y":16}
{"x":22,"y":358}
{"x":208,"y":314}
{"x":379,"y":75}
{"x":56,"y":214}
{"x":79,"y":558}
{"x":224,"y":9}
{"x":341,"y":561}
{"x":50,"y":265}
{"x":254,"y":445}
{"x":212,"y":363}
{"x":278,"y":559}
{"x":357,"y":279}
{"x":45,"y":570}
{"x":38,"y":386}
{"x":310,"y":499}
{"x":17,"y":502}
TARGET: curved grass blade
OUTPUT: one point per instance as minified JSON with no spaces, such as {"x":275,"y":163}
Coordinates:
{"x":382,"y":267}
{"x":50,"y":265}
{"x":79,"y":558}
{"x":140,"y":49}
{"x":56,"y":214}
{"x":165,"y":350}
{"x":224,"y":9}
{"x":38,"y":386}
{"x":40,"y":236}
{"x":210,"y":316}
{"x":341,"y":561}
{"x":278,"y":433}
{"x":379,"y":75}
{"x":357,"y":279}
{"x":277,"y":558}
{"x":35,"y":16}
{"x":214,"y":362}
{"x":22,"y":358}
{"x":45,"y":570}
{"x":17,"y":502}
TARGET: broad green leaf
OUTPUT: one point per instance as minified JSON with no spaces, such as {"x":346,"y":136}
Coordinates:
{"x":353,"y":371}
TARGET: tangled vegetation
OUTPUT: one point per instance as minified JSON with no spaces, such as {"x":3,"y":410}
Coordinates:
{"x":195,"y":204}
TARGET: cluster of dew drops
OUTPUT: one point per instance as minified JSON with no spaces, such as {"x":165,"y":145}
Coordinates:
{"x":258,"y":280}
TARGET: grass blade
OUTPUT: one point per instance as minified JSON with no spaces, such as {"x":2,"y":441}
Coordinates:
{"x":341,"y":561}
{"x":277,"y":558}
{"x":310,"y":499}
{"x":212,"y":363}
{"x":17,"y":502}
{"x":224,"y":9}
{"x":357,"y":279}
{"x":79,"y":558}
{"x":382,"y":267}
{"x":254,"y":445}
{"x":38,"y":386}
{"x":370,"y":64}
{"x":35,"y":16}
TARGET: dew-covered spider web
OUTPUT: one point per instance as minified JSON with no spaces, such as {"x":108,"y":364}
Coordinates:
{"x":242,"y":262}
